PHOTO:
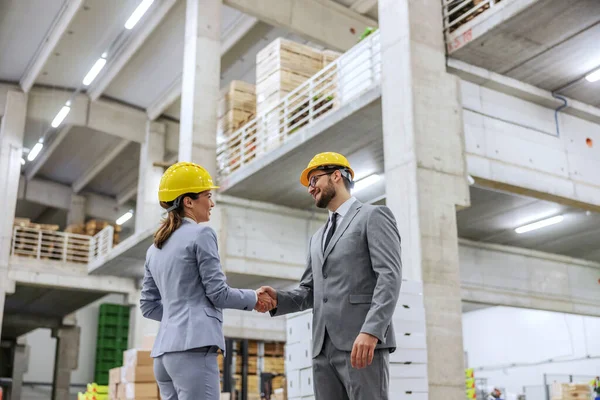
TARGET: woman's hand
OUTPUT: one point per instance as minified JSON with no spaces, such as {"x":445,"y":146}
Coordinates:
{"x":267,"y":299}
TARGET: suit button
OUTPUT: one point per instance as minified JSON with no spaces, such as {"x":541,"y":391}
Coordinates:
{"x":325,"y":300}
{"x":325,"y":276}
{"x":245,"y":308}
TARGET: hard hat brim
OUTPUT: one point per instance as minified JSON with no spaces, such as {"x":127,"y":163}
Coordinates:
{"x":307,"y":171}
{"x":171,"y":195}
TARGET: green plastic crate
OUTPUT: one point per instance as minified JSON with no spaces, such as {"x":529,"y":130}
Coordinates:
{"x":112,"y":340}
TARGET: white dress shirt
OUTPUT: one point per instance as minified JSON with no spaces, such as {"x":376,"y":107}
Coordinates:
{"x":341,"y":212}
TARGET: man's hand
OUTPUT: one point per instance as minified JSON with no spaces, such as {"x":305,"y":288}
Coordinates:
{"x":267,"y":299}
{"x":363,"y":350}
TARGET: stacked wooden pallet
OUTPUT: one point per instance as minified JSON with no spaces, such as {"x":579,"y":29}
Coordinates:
{"x":464,"y":8}
{"x":571,"y":391}
{"x":237,"y":106}
{"x":35,"y":240}
{"x":93,"y":227}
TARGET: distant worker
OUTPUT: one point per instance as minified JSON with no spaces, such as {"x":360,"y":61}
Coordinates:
{"x":185,"y":289}
{"x":596,"y":387}
{"x":495,"y":394}
{"x":352,"y":283}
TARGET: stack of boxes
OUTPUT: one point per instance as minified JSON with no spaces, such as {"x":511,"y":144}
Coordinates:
{"x":237,"y":106}
{"x":298,"y":356}
{"x":571,"y":391}
{"x":135,"y":379}
{"x":408,"y":364}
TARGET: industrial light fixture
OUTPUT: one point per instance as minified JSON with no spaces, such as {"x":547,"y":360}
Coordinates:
{"x":138,"y":13}
{"x":125,"y":217}
{"x":540,"y":224}
{"x":365,"y":182}
{"x":593,"y":76}
{"x":62,"y":114}
{"x":93,"y":73}
{"x":35,"y":151}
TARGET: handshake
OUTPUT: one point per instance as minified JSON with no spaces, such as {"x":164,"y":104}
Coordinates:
{"x":267,"y":299}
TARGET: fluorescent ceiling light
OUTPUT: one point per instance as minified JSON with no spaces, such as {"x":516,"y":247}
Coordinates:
{"x":125,"y":217}
{"x":35,"y":151}
{"x":365,"y":182}
{"x":22,"y":161}
{"x":138,"y":13}
{"x":540,"y":224}
{"x":62,"y":114}
{"x":593,"y":76}
{"x":89,"y":78}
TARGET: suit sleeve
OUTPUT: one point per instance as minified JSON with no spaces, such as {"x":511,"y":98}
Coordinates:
{"x":384,"y":247}
{"x":213,"y":278}
{"x":299,"y":299}
{"x":150,"y":300}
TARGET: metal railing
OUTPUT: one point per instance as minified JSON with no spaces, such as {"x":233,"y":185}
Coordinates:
{"x":50,"y":245}
{"x":347,"y":77}
{"x":102,"y":243}
{"x":459,"y":12}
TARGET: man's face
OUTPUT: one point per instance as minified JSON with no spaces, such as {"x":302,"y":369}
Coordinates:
{"x":321,"y":188}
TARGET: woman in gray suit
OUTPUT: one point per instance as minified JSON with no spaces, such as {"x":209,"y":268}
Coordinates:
{"x":185,"y":289}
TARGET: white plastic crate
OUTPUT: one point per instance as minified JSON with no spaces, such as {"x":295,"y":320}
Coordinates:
{"x":299,"y":327}
{"x":298,"y":355}
{"x":293,"y":383}
{"x":408,"y":371}
{"x":306,"y":382}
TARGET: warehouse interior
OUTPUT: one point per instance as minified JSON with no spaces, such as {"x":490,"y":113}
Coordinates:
{"x":477,"y":122}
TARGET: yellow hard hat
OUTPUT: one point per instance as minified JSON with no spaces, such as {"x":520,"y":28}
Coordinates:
{"x":323,"y":160}
{"x":182,"y":178}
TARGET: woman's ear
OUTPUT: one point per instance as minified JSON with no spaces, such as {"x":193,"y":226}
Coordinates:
{"x":187,"y":202}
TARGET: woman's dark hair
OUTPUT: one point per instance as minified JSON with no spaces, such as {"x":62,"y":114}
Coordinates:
{"x":173,"y":220}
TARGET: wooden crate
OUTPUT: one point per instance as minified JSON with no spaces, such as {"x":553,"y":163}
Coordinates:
{"x":281,"y":67}
{"x":238,"y":95}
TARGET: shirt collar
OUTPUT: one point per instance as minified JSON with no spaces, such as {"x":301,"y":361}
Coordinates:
{"x":343,"y":209}
{"x":188,"y":219}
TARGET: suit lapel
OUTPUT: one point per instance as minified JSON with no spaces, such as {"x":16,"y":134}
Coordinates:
{"x":342,"y":228}
{"x":318,"y":244}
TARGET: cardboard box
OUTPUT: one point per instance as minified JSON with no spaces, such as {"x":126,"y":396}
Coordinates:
{"x":138,"y":374}
{"x":138,"y":391}
{"x":148,"y":342}
{"x":114,"y":376}
{"x":137,"y":357}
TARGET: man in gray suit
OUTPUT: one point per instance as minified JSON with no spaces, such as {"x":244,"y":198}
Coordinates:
{"x":352,"y":282}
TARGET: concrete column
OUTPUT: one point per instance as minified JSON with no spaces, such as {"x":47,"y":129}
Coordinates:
{"x":76,"y":214}
{"x":425,"y":172}
{"x":12,"y":129}
{"x":67,"y":354}
{"x":20,"y":359}
{"x":201,"y":83}
{"x":148,"y":211}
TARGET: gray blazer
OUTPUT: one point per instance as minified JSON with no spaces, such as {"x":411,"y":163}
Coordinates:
{"x":185,"y":289}
{"x":354,"y":285}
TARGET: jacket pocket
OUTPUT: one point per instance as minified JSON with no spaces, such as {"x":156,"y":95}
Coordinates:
{"x":211,"y":312}
{"x":360,"y":298}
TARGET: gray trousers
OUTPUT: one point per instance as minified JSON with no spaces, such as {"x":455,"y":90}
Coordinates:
{"x":188,"y":375}
{"x":334,"y":377}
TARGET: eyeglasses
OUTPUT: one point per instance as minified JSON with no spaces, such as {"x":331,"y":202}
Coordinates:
{"x":313,"y":180}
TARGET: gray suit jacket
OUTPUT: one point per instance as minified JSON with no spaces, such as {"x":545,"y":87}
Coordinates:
{"x":185,"y":289}
{"x":354,"y":285}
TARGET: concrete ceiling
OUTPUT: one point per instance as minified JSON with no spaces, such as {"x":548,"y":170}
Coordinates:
{"x":552,"y":44}
{"x":30,"y":307}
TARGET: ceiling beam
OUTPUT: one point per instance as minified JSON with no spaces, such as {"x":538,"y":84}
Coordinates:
{"x":238,"y":30}
{"x":363,"y":6}
{"x":57,"y":195}
{"x":98,"y":166}
{"x":130,"y":192}
{"x":35,"y":166}
{"x":117,"y":61}
{"x":56,"y":32}
{"x":325,"y":22}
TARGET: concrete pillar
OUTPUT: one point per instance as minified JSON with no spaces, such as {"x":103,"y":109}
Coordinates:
{"x":201,"y":83}
{"x":20,"y":359}
{"x":425,"y":172}
{"x":12,"y":129}
{"x":67,"y":354}
{"x":76,"y":214}
{"x":148,"y":211}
